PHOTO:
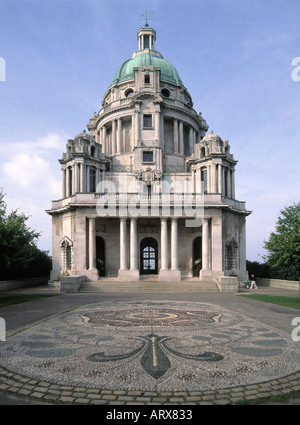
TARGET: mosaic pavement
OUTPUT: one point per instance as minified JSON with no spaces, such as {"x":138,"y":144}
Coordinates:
{"x":152,"y":346}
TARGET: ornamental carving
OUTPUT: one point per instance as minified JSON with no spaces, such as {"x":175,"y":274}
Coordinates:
{"x":148,"y":175}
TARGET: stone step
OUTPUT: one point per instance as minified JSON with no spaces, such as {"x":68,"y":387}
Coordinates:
{"x":148,"y":286}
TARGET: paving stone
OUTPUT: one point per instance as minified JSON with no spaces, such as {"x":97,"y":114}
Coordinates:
{"x":143,"y":399}
{"x":223,"y":401}
{"x":109,"y":397}
{"x":177,"y":400}
{"x":24,"y":392}
{"x":124,"y":398}
{"x":37,"y":395}
{"x":82,"y":400}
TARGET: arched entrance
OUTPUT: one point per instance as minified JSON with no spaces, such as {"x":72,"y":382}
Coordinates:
{"x":197,"y":256}
{"x":100,"y":255}
{"x":149,"y":256}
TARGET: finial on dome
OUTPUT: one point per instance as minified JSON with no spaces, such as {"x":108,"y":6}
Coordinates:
{"x":146,"y":36}
{"x":145,"y":15}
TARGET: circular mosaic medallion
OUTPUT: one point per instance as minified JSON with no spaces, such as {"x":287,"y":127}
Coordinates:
{"x":157,"y":317}
{"x":151,"y":345}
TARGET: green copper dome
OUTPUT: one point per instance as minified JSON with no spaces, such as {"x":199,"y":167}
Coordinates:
{"x":147,"y":57}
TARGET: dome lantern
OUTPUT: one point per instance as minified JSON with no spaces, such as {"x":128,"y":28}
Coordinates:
{"x":146,"y":37}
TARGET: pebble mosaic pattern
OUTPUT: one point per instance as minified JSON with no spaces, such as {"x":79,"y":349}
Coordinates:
{"x":150,"y":346}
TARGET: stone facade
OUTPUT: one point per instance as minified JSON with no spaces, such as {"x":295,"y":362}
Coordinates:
{"x":147,"y":190}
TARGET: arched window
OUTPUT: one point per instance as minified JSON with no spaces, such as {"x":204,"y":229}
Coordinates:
{"x":149,"y":256}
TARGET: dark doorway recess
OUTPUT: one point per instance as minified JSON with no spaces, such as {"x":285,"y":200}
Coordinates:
{"x":197,"y":256}
{"x":100,"y":255}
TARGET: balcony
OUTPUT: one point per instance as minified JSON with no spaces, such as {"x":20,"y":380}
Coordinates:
{"x":173,"y":200}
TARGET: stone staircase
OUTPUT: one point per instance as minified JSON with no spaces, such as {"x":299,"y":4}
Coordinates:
{"x":149,"y":284}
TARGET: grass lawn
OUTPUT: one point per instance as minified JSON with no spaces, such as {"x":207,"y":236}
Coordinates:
{"x":292,"y":302}
{"x":6,"y":300}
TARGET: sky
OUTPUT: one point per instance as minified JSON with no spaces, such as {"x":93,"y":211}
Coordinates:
{"x":239,"y":60}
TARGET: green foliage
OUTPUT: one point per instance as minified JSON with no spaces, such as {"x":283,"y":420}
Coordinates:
{"x":19,"y":255}
{"x":283,"y":245}
{"x":258,"y":269}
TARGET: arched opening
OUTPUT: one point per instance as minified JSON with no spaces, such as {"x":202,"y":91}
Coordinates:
{"x":197,"y":256}
{"x":149,"y":256}
{"x":100,"y":255}
{"x":66,"y":246}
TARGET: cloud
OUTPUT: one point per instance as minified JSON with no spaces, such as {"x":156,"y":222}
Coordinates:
{"x":28,"y":164}
{"x":24,"y":170}
{"x":30,"y":177}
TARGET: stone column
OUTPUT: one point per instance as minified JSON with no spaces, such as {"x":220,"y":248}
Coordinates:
{"x":119,"y":136}
{"x":205,"y":245}
{"x":228,"y":183}
{"x":191,"y":145}
{"x":164,"y":244}
{"x":100,"y":131}
{"x":104,"y":141}
{"x":174,"y":244}
{"x":82,"y":177}
{"x":137,"y":127}
{"x":233,"y":184}
{"x":214,"y":179}
{"x":113,"y":137}
{"x":92,"y":243}
{"x":67,"y":182}
{"x":176,"y":138}
{"x":162,"y":131}
{"x":157,"y":123}
{"x":63,"y":183}
{"x":87,"y":178}
{"x":133,"y":244}
{"x":220,"y":174}
{"x":123,"y":244}
{"x":181,"y":148}
{"x":75,"y":177}
{"x":242,"y":249}
{"x":98,"y":178}
{"x":208,"y":168}
{"x":193,"y":181}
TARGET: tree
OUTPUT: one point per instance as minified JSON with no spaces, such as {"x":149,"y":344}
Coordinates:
{"x":18,"y":250}
{"x":283,"y":245}
{"x":258,"y":269}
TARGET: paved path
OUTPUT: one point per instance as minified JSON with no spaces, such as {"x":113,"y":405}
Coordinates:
{"x":18,"y":387}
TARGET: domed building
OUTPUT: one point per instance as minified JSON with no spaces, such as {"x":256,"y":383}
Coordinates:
{"x":146,"y":191}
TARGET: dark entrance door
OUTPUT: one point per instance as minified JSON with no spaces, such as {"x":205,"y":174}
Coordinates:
{"x":100,"y":255}
{"x":149,"y":256}
{"x":197,"y":256}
